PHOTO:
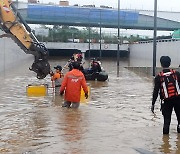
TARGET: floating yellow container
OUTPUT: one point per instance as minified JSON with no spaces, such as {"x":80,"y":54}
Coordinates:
{"x":37,"y":90}
{"x":82,"y":98}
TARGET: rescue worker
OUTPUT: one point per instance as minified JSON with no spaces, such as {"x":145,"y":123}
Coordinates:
{"x":72,"y":59}
{"x":79,"y":57}
{"x":100,"y":64}
{"x":95,"y":66}
{"x":166,"y":83}
{"x":72,"y":83}
{"x":75,"y":56}
{"x":98,"y":60}
{"x":70,"y":65}
{"x":56,"y":78}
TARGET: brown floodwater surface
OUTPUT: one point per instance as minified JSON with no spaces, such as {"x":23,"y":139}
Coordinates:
{"x":117,"y":119}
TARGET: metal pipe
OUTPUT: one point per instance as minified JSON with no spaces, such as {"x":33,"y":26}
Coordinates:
{"x":118,"y":46}
{"x":100,"y":53}
{"x":154,"y":38}
{"x":89,"y":43}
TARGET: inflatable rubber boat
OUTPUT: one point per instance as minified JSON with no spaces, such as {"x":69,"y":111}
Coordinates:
{"x":99,"y":76}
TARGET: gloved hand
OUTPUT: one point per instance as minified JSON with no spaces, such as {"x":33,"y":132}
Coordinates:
{"x":152,"y":108}
{"x":86,"y":95}
{"x":61,"y":93}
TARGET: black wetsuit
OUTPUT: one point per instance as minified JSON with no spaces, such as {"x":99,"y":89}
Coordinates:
{"x":167,"y":105}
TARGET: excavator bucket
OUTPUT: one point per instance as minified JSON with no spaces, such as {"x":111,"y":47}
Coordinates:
{"x":41,"y":67}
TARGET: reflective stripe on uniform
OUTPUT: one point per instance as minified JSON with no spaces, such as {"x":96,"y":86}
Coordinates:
{"x":167,"y":73}
{"x":165,"y":90}
{"x":177,"y":87}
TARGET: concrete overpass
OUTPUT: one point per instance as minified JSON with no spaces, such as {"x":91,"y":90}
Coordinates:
{"x":94,"y":17}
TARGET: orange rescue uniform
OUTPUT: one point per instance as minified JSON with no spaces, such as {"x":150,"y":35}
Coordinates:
{"x":72,"y":83}
{"x":57,"y":78}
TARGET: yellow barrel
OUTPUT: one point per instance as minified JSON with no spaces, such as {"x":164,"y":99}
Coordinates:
{"x":37,"y":90}
{"x":82,"y":98}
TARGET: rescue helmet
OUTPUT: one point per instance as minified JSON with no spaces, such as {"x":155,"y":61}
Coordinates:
{"x":76,"y":65}
{"x":58,"y":67}
{"x":165,"y":61}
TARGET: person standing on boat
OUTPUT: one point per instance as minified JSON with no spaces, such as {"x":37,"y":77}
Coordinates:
{"x":56,"y":78}
{"x":79,"y":57}
{"x":72,"y":83}
{"x":167,"y":83}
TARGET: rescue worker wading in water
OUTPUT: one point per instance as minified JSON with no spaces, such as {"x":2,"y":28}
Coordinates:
{"x":72,"y":83}
{"x":167,"y":84}
{"x":56,"y":78}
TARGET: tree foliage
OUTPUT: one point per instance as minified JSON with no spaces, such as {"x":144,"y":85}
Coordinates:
{"x":69,"y":34}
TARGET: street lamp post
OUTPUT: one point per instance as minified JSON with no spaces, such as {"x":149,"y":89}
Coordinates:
{"x":89,"y":43}
{"x":100,"y":53}
{"x":154,"y":39}
{"x":118,"y":46}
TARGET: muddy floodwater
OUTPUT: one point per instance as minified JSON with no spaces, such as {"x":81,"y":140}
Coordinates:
{"x":116,"y":120}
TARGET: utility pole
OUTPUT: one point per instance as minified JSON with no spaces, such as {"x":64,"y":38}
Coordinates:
{"x":100,"y":54}
{"x":154,"y":39}
{"x":89,"y":43}
{"x":118,"y":47}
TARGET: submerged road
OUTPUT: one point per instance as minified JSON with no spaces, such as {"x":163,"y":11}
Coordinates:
{"x":117,"y":119}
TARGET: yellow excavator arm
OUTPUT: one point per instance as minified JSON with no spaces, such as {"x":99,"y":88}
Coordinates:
{"x":12,"y":23}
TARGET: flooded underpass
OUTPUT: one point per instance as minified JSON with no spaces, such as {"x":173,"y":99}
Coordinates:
{"x":117,"y":119}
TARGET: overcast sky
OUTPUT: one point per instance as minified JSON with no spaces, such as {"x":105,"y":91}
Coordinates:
{"x":170,"y":5}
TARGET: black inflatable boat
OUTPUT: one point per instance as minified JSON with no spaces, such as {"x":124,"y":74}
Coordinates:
{"x":99,"y":76}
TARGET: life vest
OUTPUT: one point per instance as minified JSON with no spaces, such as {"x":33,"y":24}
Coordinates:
{"x":169,"y":85}
{"x":79,"y":56}
{"x":57,"y":79}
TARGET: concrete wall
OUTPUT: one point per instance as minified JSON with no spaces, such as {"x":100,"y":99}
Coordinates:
{"x":141,"y":55}
{"x":11,"y":55}
{"x":84,"y":46}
